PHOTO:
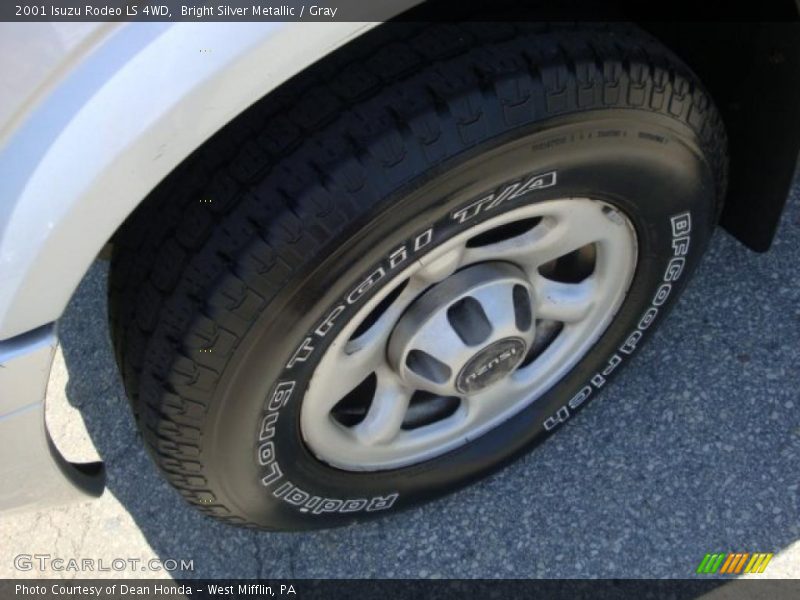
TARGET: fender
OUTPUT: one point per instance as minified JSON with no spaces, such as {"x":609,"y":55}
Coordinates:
{"x":131,"y":103}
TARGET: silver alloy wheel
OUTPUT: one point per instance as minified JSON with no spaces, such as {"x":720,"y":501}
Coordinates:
{"x":469,"y":335}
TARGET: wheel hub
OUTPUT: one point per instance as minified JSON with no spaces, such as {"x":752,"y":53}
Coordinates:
{"x":490,"y":365}
{"x":466,"y":333}
{"x":469,"y":335}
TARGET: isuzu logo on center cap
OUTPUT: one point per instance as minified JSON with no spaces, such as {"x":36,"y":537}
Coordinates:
{"x":490,"y":365}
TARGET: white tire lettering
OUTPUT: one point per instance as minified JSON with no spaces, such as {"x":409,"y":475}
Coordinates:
{"x":662,"y":294}
{"x":580,"y":397}
{"x":674,"y":269}
{"x":302,"y":353}
{"x":381,"y":503}
{"x":328,"y":323}
{"x":283,"y":391}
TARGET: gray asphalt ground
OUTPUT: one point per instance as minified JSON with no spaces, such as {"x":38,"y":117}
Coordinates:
{"x":694,"y":449}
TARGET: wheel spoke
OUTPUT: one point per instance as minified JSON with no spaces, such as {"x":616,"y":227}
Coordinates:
{"x":373,"y":340}
{"x":517,"y":249}
{"x":387,"y":411}
{"x":438,"y":267}
{"x":350,"y":365}
{"x":576,"y":226}
{"x":566,"y":302}
{"x":343,"y":375}
{"x":559,"y":233}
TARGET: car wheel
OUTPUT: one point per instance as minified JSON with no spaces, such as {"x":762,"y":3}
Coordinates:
{"x":410,"y":269}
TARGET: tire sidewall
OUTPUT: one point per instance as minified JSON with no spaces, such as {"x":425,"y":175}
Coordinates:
{"x":646,"y":165}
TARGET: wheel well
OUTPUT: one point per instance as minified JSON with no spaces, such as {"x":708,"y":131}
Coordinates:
{"x":752,"y":71}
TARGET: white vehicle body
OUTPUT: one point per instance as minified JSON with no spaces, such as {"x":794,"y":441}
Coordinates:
{"x":92,"y":117}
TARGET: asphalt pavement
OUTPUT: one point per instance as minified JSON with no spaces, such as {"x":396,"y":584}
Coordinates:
{"x":695,"y":448}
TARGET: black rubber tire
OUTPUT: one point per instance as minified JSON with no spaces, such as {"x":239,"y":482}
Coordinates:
{"x":225,"y":269}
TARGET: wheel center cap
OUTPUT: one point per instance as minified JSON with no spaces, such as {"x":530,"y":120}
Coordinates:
{"x":490,"y":365}
{"x":467,"y":332}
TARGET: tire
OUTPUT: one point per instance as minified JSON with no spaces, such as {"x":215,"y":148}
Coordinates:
{"x":231,"y":283}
